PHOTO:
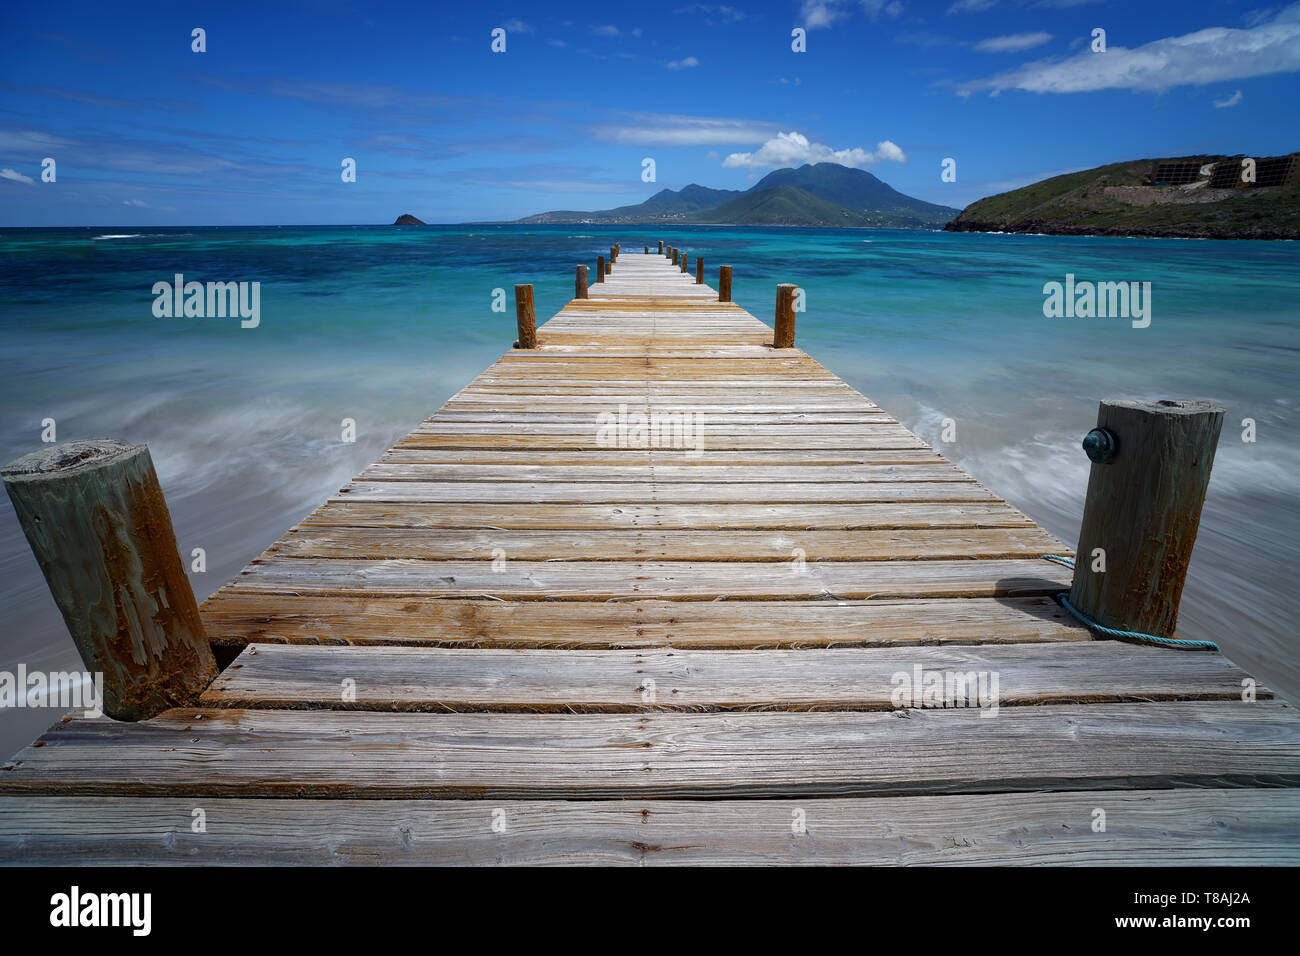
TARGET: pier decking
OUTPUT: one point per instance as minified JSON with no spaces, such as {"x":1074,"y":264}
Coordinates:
{"x":520,"y":638}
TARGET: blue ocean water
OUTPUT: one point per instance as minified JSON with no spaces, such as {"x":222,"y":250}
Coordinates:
{"x":382,"y":324}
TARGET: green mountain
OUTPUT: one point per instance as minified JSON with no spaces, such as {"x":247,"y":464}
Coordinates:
{"x":824,"y":194}
{"x":1198,"y":197}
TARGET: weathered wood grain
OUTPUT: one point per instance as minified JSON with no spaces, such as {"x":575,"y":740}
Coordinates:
{"x":286,"y":676}
{"x":215,"y":752}
{"x":1143,"y":827}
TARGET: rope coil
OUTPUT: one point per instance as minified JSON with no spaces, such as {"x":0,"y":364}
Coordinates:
{"x":1063,"y":597}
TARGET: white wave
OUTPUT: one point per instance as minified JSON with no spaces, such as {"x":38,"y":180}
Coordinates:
{"x":127,"y":235}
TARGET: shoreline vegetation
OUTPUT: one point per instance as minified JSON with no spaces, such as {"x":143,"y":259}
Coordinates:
{"x":1188,"y":197}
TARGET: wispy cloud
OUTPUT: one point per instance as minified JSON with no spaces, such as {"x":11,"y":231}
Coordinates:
{"x":1214,"y":55}
{"x":972,"y":6}
{"x":609,"y":30}
{"x":662,"y":129}
{"x":1232,"y":100}
{"x":711,"y":12}
{"x":684,"y":64}
{"x":790,"y":149}
{"x":16,"y":176}
{"x":515,"y":25}
{"x":819,"y":14}
{"x":1013,"y":43}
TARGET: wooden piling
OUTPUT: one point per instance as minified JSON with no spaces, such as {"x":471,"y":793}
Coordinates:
{"x":95,"y":517}
{"x":724,"y":283}
{"x":600,"y":268}
{"x":661,"y":247}
{"x":580,"y":283}
{"x":685,"y":261}
{"x":525,"y":318}
{"x":699,"y":270}
{"x":784,"y":336}
{"x":1151,"y":466}
{"x":675,"y":256}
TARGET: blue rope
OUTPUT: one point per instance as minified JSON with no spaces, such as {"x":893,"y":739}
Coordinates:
{"x":1113,"y":632}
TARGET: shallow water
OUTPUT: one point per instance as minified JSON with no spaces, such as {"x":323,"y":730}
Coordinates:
{"x":382,"y":324}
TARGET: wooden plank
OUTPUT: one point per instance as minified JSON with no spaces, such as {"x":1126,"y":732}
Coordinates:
{"x":283,"y":676}
{"x":345,"y":512}
{"x":1143,"y":828}
{"x":215,"y":752}
{"x":665,"y":545}
{"x":681,"y":580}
{"x":663,"y":473}
{"x":233,"y":618}
{"x":543,"y":492}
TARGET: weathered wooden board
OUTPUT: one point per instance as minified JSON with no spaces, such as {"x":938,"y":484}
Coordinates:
{"x":234,"y":617}
{"x":1236,"y":827}
{"x":541,"y":681}
{"x":215,"y":752}
{"x":343,"y":513}
{"x":665,"y":545}
{"x":681,"y":580}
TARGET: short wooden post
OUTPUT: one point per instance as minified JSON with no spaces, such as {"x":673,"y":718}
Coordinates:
{"x":661,"y":247}
{"x":784,"y":336}
{"x":600,"y":268}
{"x":675,"y":256}
{"x":1151,"y":467}
{"x":647,"y":250}
{"x":613,"y":254}
{"x":685,"y":259}
{"x":609,"y":268}
{"x":724,"y":283}
{"x":580,"y":283}
{"x":525,"y":318}
{"x":95,"y":516}
{"x":699,"y":270}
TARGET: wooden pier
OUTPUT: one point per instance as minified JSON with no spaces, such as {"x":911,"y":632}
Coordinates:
{"x":530,"y":634}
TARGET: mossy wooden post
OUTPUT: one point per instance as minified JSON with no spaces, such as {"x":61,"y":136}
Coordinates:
{"x":724,"y":283}
{"x":1151,"y":467}
{"x":699,"y":270}
{"x":524,"y":316}
{"x":600,"y":268}
{"x":784,"y":336}
{"x":580,"y":283}
{"x":95,"y":517}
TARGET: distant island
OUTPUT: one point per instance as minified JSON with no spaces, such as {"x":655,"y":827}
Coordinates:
{"x":821,"y":194}
{"x":1193,"y":197}
{"x":406,"y":219}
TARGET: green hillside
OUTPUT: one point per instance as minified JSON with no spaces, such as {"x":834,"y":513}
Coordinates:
{"x":1117,"y":200}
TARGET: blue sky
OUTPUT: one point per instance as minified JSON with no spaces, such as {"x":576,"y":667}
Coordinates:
{"x":145,"y":131}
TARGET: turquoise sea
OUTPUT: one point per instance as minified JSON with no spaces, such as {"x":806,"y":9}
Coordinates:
{"x":382,"y":324}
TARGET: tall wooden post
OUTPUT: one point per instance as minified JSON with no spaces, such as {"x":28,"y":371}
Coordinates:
{"x":647,"y":250}
{"x":784,"y":336}
{"x":525,"y":318}
{"x":661,"y":247}
{"x":674,"y":257}
{"x":609,"y":267}
{"x":613,"y":254}
{"x":685,"y":259}
{"x":95,"y":517}
{"x":724,"y":283}
{"x":699,"y":270}
{"x":1151,"y":467}
{"x":580,"y":283}
{"x":600,"y":268}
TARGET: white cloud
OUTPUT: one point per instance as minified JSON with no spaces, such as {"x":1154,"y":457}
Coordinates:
{"x":663,"y":129}
{"x":972,"y":6}
{"x":139,"y":203}
{"x":515,"y":25}
{"x":1013,"y":42}
{"x":1214,"y":55}
{"x":1232,"y":100}
{"x":16,"y":176}
{"x":608,"y":30}
{"x":792,"y":149}
{"x":685,"y":64}
{"x":818,"y":14}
